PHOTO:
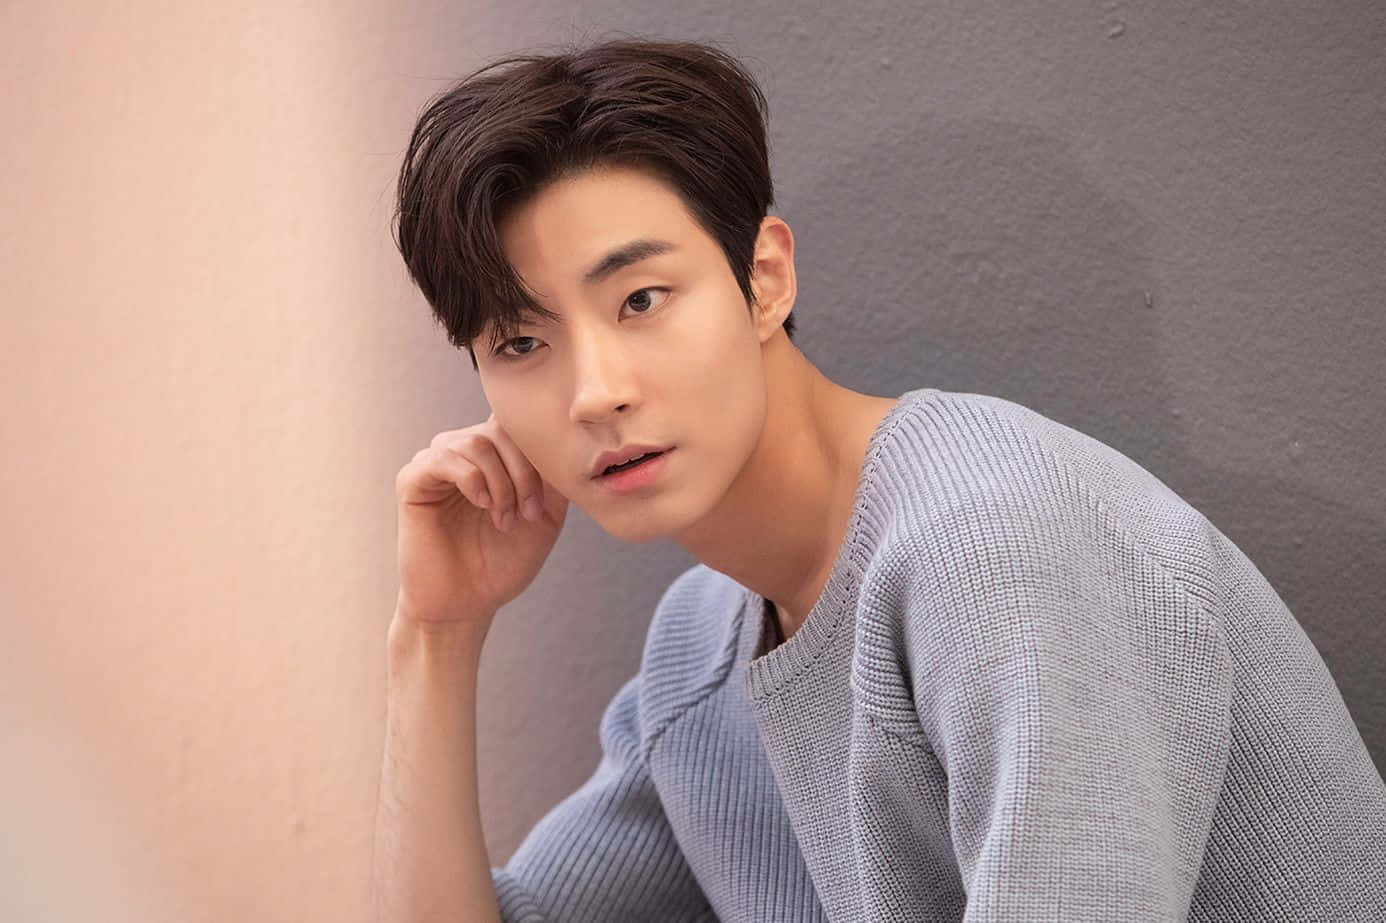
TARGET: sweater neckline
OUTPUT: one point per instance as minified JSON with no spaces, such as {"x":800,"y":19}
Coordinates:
{"x":768,"y":672}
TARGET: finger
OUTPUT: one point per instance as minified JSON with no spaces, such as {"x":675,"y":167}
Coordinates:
{"x":434,"y":471}
{"x":477,"y":448}
{"x":469,"y":477}
{"x":529,"y":485}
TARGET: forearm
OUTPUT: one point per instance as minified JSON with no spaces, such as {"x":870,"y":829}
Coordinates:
{"x":430,"y":860}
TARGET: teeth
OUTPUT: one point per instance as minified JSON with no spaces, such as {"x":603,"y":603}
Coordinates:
{"x":626,"y":462}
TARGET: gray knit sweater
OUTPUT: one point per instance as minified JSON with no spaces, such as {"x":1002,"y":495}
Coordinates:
{"x":1038,"y":685}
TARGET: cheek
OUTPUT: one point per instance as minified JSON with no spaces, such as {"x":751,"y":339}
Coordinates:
{"x":531,"y":435}
{"x":719,"y":377}
{"x":726,"y":362}
{"x":546,"y":457}
{"x":711,"y":344}
{"x":544,"y":454}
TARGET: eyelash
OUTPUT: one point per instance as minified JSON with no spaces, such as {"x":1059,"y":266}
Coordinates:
{"x":511,"y":357}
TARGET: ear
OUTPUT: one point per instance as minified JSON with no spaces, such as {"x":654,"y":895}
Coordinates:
{"x":772,"y":277}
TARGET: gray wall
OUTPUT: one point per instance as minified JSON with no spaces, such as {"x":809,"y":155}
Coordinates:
{"x":1159,"y":223}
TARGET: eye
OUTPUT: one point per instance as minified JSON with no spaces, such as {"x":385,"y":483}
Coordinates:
{"x":641,"y":291}
{"x":501,"y":349}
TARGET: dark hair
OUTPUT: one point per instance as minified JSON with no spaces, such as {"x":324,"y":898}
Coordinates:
{"x":687,"y":113}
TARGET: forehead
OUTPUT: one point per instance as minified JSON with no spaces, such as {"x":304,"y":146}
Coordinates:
{"x":557,"y":235}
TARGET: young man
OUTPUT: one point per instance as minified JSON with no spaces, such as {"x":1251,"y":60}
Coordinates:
{"x":942,"y":658}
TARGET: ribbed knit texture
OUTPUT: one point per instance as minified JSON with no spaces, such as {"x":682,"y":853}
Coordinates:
{"x":1037,"y":686}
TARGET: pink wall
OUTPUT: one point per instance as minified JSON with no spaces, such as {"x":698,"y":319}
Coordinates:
{"x":206,"y":334}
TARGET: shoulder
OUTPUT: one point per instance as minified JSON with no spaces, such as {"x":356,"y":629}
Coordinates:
{"x":690,"y":645}
{"x":979,"y":475}
{"x":1008,"y":529}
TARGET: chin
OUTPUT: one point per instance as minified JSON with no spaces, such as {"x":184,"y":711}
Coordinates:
{"x":634,"y":530}
{"x":639,"y":520}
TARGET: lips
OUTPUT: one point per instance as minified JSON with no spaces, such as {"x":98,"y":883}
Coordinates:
{"x":621,"y":455}
{"x":630,"y":464}
{"x":636,"y":479}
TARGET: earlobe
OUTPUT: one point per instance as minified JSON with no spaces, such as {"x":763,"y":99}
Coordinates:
{"x":769,"y":316}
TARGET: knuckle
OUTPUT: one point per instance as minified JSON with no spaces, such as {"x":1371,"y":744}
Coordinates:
{"x":471,"y":441}
{"x":437,"y":456}
{"x":530,"y":485}
{"x":453,"y":438}
{"x":446,"y":437}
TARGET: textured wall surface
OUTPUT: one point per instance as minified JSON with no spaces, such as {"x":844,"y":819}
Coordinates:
{"x":1160,"y":223}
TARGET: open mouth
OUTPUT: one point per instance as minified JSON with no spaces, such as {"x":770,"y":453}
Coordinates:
{"x":634,"y":462}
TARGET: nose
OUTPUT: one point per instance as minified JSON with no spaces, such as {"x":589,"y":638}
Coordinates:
{"x":603,"y":382}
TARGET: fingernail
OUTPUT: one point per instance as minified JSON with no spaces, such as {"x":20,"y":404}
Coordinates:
{"x":507,"y":520}
{"x":484,"y":499}
{"x":532,"y":509}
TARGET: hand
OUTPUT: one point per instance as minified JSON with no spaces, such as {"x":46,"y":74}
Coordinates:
{"x":458,"y":560}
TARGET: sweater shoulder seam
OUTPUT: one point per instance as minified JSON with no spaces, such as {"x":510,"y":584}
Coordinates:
{"x":1214,"y":615}
{"x":1094,"y":501}
{"x":703,"y":693}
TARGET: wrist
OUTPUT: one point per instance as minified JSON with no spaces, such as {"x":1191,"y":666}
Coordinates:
{"x":453,"y":637}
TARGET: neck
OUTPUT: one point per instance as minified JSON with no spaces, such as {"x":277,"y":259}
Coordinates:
{"x":778,"y":528}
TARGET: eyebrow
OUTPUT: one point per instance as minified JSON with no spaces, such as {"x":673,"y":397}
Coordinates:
{"x":625,"y":255}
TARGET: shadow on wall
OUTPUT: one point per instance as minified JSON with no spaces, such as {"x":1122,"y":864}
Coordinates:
{"x":1007,"y":271}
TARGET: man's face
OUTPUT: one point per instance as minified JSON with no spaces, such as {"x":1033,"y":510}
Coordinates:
{"x":662,"y":352}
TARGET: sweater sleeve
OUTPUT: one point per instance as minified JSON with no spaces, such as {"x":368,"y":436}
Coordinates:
{"x":606,"y":851}
{"x":1079,"y":702}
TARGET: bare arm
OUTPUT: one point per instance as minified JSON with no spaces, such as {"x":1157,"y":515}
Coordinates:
{"x":464,"y":552}
{"x":429,"y":860}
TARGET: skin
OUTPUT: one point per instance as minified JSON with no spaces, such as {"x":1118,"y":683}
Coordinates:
{"x":768,"y":451}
